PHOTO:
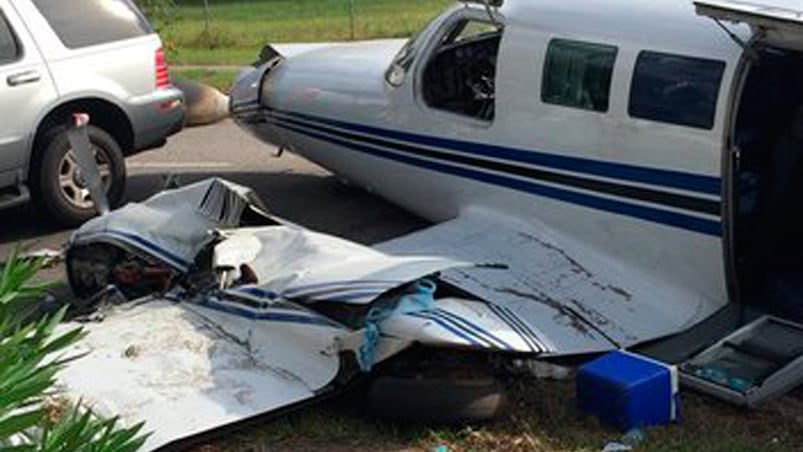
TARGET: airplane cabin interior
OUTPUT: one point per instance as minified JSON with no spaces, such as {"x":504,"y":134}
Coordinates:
{"x":768,"y":215}
{"x":460,"y":76}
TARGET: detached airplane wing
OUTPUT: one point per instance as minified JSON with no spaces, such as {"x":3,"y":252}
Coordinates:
{"x":242,"y":322}
{"x":200,"y":351}
{"x":187,"y":369}
{"x":573,"y":300}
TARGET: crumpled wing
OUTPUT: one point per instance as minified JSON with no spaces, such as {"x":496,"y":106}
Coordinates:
{"x":296,"y":263}
{"x":186,"y":369}
{"x":174,"y":225}
{"x":572,"y":299}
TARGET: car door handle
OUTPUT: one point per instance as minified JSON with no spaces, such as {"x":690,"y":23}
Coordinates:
{"x":23,"y":78}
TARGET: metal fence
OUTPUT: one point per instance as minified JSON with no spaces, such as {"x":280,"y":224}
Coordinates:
{"x":351,"y":12}
{"x":243,"y":21}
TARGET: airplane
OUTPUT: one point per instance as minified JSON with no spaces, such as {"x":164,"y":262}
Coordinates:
{"x":635,"y":164}
{"x":601,"y":175}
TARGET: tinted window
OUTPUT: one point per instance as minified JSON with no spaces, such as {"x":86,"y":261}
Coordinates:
{"x":80,"y":23}
{"x":578,"y":74}
{"x":9,"y":49}
{"x":676,"y":89}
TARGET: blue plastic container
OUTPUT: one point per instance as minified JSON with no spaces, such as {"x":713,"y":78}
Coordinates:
{"x":628,"y":391}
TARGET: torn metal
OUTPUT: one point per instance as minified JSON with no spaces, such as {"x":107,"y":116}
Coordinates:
{"x":186,"y":369}
{"x":236,"y":313}
{"x":569,"y":298}
{"x":232,"y":320}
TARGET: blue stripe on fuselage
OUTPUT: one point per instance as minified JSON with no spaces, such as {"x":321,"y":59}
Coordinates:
{"x":660,"y":177}
{"x":679,"y":220}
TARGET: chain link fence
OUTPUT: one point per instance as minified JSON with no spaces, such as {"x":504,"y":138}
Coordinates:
{"x":232,"y":31}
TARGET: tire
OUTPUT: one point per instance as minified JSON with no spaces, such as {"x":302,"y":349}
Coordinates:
{"x":438,"y":399}
{"x":66,"y":198}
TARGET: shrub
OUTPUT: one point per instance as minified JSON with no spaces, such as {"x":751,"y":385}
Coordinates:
{"x":31,"y":355}
{"x":157,"y":10}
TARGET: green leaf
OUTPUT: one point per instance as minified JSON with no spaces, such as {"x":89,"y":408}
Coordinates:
{"x":19,"y":422}
{"x":8,"y":269}
{"x":28,"y":370}
{"x":62,"y":342}
{"x":121,"y":438}
{"x":39,"y":382}
{"x":8,"y":297}
{"x":18,"y":448}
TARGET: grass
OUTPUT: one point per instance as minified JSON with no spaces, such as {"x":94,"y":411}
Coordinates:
{"x":543,"y":419}
{"x":238,"y":29}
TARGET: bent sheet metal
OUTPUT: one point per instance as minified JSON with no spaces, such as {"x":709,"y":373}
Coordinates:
{"x":186,"y":369}
{"x":218,"y":347}
{"x":253,"y":314}
{"x":573,"y":299}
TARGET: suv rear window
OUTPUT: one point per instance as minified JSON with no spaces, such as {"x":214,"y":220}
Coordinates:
{"x":81,"y":23}
{"x":9,"y":49}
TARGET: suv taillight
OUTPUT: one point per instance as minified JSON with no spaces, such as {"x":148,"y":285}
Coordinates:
{"x":162,"y":77}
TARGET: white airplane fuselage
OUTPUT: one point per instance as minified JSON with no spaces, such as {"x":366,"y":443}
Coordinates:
{"x":652,"y":197}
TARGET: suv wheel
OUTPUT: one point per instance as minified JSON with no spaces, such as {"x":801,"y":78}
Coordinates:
{"x":60,"y":187}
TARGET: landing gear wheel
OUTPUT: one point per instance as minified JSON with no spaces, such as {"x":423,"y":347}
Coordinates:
{"x":58,"y":184}
{"x":445,"y":400}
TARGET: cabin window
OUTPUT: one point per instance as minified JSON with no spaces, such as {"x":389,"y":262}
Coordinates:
{"x":9,"y":48}
{"x":460,"y":76}
{"x":578,"y":74}
{"x":676,"y":89}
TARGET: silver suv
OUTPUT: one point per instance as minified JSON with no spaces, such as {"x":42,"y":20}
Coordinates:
{"x":59,"y":57}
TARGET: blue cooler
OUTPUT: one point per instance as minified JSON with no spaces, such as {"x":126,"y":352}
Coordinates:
{"x":628,"y":390}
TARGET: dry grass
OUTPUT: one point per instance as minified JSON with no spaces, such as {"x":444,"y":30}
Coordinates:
{"x":543,"y":419}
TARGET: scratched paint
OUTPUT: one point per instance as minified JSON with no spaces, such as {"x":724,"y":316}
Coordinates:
{"x":572,"y":295}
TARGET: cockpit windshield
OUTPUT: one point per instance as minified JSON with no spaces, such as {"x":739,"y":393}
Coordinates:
{"x":405,"y":58}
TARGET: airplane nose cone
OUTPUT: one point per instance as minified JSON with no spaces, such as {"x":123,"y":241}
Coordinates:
{"x":248,"y":103}
{"x":205,"y":104}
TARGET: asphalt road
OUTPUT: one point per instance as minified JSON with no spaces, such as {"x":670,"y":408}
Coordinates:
{"x":291,"y":187}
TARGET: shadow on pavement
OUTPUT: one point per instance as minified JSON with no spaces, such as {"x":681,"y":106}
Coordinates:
{"x":25,"y":223}
{"x":317,"y":202}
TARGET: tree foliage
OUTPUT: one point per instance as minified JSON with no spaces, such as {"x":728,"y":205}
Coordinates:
{"x":159,"y":12}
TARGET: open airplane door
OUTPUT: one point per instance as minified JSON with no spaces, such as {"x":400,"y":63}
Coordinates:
{"x":776,"y":25}
{"x":763,"y":356}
